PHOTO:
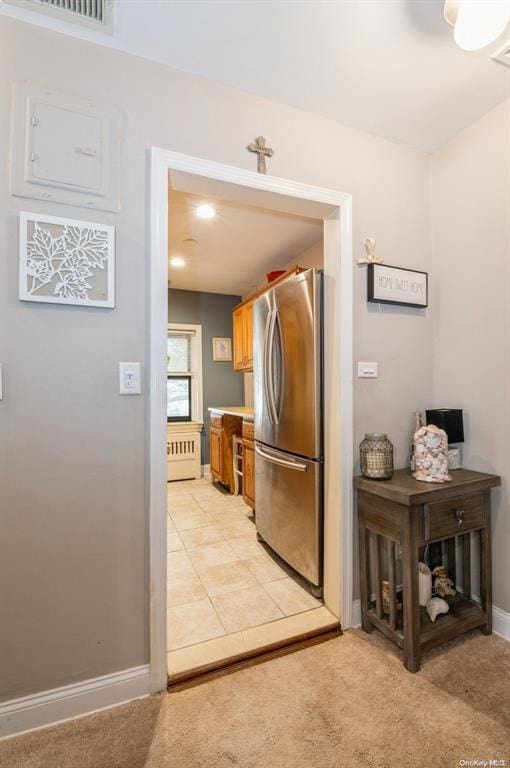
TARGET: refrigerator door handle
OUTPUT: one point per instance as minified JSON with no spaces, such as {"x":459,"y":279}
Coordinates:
{"x":266,"y":365}
{"x":269,"y":367}
{"x":281,"y":368}
{"x":281,"y":462}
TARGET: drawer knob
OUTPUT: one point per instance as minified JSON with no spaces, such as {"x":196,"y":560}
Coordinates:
{"x":459,"y":514}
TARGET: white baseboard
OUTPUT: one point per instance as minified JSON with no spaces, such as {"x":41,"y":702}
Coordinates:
{"x":70,"y":701}
{"x":206,"y":469}
{"x":78,"y":699}
{"x":500,"y":618}
{"x":356,"y":614}
{"x":501,"y":622}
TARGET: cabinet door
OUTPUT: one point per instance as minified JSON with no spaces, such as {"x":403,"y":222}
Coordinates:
{"x":249,"y":473}
{"x":238,"y":331}
{"x":216,"y":453}
{"x":248,"y":336}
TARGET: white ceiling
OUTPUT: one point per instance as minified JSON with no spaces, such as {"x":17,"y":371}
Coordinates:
{"x":236,"y":248}
{"x":389,"y":67}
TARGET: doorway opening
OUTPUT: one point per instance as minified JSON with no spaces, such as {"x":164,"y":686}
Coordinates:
{"x":233,"y":587}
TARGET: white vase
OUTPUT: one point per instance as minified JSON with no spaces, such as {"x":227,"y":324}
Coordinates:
{"x":424,"y":584}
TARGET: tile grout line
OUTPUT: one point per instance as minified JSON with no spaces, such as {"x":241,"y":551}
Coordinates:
{"x":247,"y":629}
{"x":206,"y":594}
{"x":227,"y":507}
{"x":201,"y":582}
{"x":209,"y":597}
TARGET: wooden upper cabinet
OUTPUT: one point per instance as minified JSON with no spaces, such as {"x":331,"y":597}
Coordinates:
{"x":243,"y":337}
{"x":248,"y":335}
{"x":237,"y":325}
{"x":242,"y":321}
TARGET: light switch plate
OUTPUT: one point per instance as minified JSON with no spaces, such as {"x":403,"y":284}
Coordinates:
{"x":368,"y":370}
{"x":129,"y":379}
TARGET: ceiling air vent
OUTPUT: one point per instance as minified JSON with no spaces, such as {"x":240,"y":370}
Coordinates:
{"x":503,"y":54}
{"x":95,"y":14}
{"x":90,"y":9}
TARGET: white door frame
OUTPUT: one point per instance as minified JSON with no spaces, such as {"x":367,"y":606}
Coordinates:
{"x":338,"y":363}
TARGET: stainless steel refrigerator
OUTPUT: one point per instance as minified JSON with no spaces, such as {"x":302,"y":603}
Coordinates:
{"x":287,"y":377}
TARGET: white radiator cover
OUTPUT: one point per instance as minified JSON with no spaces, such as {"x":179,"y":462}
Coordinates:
{"x":183,"y":450}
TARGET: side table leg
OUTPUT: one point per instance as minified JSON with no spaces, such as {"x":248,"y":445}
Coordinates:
{"x":486,"y":565}
{"x":411,"y":606}
{"x":364,"y":570}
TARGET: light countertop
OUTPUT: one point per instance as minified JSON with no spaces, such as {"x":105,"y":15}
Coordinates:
{"x":234,"y":410}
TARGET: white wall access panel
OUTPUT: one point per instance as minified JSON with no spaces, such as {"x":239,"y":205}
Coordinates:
{"x":65,"y":149}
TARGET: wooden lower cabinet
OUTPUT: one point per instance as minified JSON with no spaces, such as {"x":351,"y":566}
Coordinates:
{"x":248,"y":464}
{"x":223,"y":428}
{"x":216,"y":454}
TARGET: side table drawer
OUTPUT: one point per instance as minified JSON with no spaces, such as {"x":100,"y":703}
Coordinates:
{"x":452,"y":517}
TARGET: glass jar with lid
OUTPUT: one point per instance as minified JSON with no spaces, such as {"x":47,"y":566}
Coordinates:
{"x":376,"y":456}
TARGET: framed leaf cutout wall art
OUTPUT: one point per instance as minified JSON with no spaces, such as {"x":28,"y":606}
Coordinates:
{"x":64,"y":261}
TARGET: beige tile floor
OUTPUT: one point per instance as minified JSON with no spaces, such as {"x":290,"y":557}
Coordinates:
{"x":223,"y":585}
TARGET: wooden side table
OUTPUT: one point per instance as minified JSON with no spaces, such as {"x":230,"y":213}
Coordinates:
{"x":397,"y":519}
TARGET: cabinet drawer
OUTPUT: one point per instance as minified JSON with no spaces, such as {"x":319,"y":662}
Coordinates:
{"x":216,"y":422}
{"x":248,"y":430}
{"x":453,"y":516}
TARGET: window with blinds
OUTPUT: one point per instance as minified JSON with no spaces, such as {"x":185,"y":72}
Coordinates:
{"x":179,"y":375}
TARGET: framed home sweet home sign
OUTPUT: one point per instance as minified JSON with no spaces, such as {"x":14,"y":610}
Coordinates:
{"x":396,"y":285}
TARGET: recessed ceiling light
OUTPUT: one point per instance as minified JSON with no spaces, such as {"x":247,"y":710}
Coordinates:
{"x":177,"y":261}
{"x":205,"y":211}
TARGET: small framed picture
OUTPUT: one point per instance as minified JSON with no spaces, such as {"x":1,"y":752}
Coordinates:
{"x":222,"y":350}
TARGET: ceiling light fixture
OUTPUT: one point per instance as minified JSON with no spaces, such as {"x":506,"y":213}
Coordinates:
{"x":205,"y":211}
{"x":477,"y":23}
{"x":177,"y":261}
{"x":450,"y":11}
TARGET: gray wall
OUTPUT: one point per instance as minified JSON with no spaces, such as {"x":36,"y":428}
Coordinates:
{"x":470,"y":183}
{"x":213,"y":311}
{"x":74,"y":558}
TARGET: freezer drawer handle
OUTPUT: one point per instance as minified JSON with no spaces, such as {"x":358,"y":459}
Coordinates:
{"x":281,"y":462}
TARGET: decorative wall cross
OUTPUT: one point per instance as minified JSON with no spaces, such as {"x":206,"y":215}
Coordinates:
{"x":259,"y":146}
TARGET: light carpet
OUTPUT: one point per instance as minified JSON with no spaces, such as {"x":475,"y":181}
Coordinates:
{"x":345,"y":702}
